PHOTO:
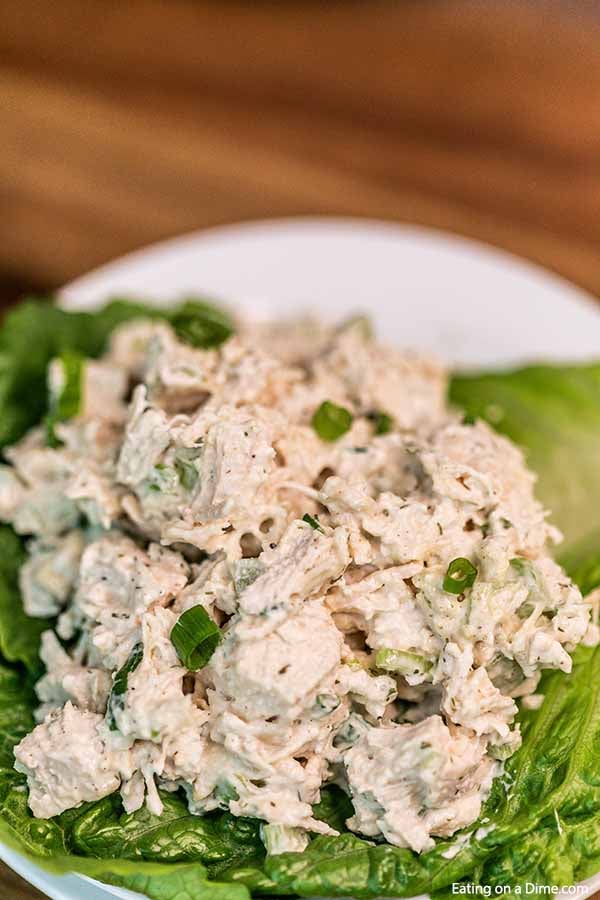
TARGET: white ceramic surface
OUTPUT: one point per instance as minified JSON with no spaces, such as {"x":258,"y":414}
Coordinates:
{"x":466,"y":302}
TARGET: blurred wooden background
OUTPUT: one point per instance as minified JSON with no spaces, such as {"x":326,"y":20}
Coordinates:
{"x":125,"y":122}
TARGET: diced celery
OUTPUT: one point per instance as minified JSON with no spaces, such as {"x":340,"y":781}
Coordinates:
{"x":402,"y":662}
{"x":283,"y":839}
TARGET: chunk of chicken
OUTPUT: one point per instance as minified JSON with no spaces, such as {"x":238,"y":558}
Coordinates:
{"x":67,"y":762}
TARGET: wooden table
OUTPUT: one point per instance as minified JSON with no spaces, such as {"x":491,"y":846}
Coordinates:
{"x":125,"y":122}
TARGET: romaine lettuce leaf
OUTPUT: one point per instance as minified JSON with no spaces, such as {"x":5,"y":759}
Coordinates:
{"x":582,"y":561}
{"x":19,"y":633}
{"x":16,"y":720}
{"x":105,"y":830}
{"x":334,"y":807}
{"x":158,"y":881}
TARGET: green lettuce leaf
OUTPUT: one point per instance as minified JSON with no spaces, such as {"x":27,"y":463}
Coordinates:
{"x":16,"y":720}
{"x":19,"y":633}
{"x":106,"y":831}
{"x":582,"y":561}
{"x":334,"y":808}
{"x":163,"y":882}
{"x":158,"y":881}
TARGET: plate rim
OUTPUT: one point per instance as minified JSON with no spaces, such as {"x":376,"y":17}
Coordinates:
{"x":66,"y":294}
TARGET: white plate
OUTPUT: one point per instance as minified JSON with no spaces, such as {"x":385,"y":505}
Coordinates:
{"x":468,"y":303}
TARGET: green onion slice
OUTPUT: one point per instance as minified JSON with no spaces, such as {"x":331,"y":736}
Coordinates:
{"x":381,"y":421}
{"x":313,"y":522}
{"x":360,"y":323}
{"x":202,"y":325}
{"x":520,"y":565}
{"x":133,"y":660}
{"x":461,"y":574}
{"x":331,"y":421}
{"x":195,"y":637}
{"x":119,"y":686}
{"x":67,"y":404}
{"x":185,"y":468}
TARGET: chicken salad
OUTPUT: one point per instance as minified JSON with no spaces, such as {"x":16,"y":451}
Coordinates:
{"x":275,"y":563}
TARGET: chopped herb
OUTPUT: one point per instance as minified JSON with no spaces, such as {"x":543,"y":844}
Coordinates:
{"x":494,"y":413}
{"x":195,"y":637}
{"x":188,"y":474}
{"x":185,"y":468}
{"x":354,"y":663}
{"x":382,"y":422}
{"x":461,"y":574}
{"x":202,"y":325}
{"x":225,"y":792}
{"x":331,"y":421}
{"x":522,"y":566}
{"x":348,"y":733}
{"x":245,"y":573}
{"x":313,"y":522}
{"x":133,"y":660}
{"x":325,"y":704}
{"x":119,"y":686}
{"x":500,"y":751}
{"x":162,"y":479}
{"x":67,"y":403}
{"x":359,"y":323}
